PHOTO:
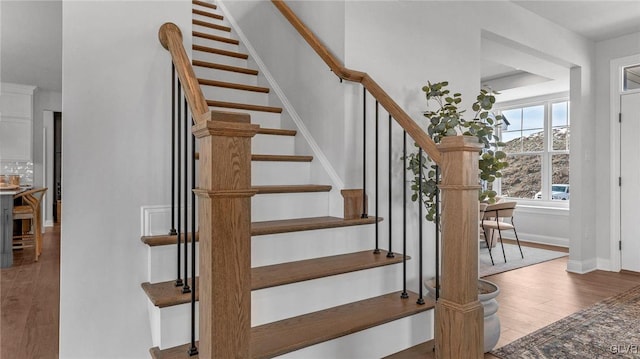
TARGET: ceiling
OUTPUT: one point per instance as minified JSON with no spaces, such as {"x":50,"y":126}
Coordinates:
{"x":516,"y":74}
{"x":33,"y":54}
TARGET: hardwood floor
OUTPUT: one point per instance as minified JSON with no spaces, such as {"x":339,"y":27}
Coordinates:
{"x":29,"y":302}
{"x":536,"y":296}
{"x":530,"y":298}
{"x":533,"y":297}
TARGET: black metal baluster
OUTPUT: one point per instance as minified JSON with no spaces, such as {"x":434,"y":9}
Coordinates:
{"x":437,"y":233}
{"x":185,"y":288}
{"x":364,"y":153}
{"x":193,"y":349}
{"x":420,"y":298}
{"x":377,"y":250}
{"x":172,"y":231}
{"x":404,"y":294}
{"x":179,"y":281}
{"x":390,"y":253}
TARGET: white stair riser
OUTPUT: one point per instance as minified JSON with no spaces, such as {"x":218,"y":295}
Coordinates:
{"x":215,"y":44}
{"x":271,"y":249}
{"x":264,"y":119}
{"x":226,"y":76}
{"x":270,"y":207}
{"x":272,"y":304}
{"x":273,"y":144}
{"x":376,"y":342}
{"x":295,"y":246}
{"x":208,"y":30}
{"x":234,"y":95}
{"x":279,"y":173}
{"x":171,"y":326}
{"x":219,"y":59}
{"x":163,"y":262}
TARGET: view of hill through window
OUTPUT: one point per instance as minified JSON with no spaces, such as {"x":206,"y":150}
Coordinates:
{"x":523,"y":177}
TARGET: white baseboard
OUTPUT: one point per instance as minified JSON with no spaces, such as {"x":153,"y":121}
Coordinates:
{"x":540,"y":239}
{"x":582,"y":267}
{"x":48,"y":223}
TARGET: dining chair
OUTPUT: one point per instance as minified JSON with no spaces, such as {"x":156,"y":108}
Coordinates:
{"x":30,"y":209}
{"x":494,"y":218}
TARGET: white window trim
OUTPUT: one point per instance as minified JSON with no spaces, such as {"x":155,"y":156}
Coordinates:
{"x":547,"y":101}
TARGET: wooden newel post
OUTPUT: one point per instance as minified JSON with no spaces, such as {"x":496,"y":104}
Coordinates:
{"x":459,"y":329}
{"x":224,"y":202}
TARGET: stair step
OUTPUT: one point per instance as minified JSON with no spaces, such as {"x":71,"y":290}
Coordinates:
{"x":223,"y":67}
{"x":282,"y":158}
{"x":215,"y":37}
{"x":166,"y":294}
{"x":281,"y":337}
{"x":292,"y":188}
{"x":234,"y":86}
{"x":273,"y":227}
{"x":205,"y":4}
{"x":420,"y":351}
{"x":212,"y":50}
{"x":276,"y":131}
{"x":242,"y":106}
{"x":208,"y":14}
{"x":210,"y":25}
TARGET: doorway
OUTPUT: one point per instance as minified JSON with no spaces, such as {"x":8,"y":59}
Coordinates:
{"x":629,"y":245}
{"x":57,"y":166}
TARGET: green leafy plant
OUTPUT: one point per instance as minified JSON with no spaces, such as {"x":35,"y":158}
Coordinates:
{"x":447,"y":120}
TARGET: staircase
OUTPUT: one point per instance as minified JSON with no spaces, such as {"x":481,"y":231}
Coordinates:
{"x":318,"y":289}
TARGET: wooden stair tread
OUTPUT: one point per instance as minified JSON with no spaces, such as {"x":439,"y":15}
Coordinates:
{"x":277,"y":338}
{"x":215,"y":37}
{"x":223,"y":67}
{"x":276,"y":131}
{"x":231,"y":85}
{"x":272,"y":227}
{"x":208,"y":14}
{"x":420,"y":351}
{"x":242,"y":106}
{"x":205,"y":4}
{"x":211,"y":25}
{"x":213,"y":50}
{"x":306,"y":224}
{"x":292,"y":188}
{"x":281,"y":158}
{"x":165,"y":294}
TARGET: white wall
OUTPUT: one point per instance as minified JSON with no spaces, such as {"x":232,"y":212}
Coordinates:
{"x":606,"y":51}
{"x":116,"y":81}
{"x":313,"y":90}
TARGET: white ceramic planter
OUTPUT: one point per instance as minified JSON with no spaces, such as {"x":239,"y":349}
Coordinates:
{"x":490,"y":305}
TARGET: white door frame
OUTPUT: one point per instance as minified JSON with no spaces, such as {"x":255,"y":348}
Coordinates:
{"x":615,"y":89}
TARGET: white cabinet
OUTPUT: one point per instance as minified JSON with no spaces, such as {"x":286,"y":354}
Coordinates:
{"x":16,"y":122}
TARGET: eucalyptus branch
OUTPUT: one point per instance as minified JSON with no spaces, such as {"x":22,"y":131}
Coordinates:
{"x":447,"y":120}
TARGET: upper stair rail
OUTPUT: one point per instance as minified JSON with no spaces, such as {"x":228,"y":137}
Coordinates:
{"x":402,"y":118}
{"x":458,"y":316}
{"x":171,"y":39}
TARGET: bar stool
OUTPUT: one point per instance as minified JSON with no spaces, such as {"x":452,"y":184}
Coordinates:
{"x":29,"y":209}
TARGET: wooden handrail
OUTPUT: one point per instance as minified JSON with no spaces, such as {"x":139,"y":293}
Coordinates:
{"x":401,"y":117}
{"x":171,"y":39}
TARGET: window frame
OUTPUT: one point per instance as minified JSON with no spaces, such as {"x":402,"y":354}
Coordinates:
{"x":547,"y":152}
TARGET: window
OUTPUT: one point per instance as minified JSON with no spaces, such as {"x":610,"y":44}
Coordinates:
{"x":536,"y":138}
{"x":631,"y":79}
